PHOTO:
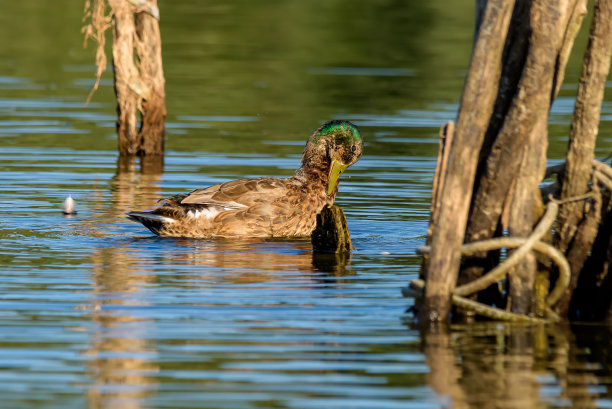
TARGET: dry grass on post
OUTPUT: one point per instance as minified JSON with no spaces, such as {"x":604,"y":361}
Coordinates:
{"x":137,"y":67}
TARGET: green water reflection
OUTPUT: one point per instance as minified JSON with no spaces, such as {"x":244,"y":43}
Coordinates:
{"x":287,"y":65}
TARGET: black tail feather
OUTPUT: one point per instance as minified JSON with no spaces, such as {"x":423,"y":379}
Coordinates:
{"x":153,"y":222}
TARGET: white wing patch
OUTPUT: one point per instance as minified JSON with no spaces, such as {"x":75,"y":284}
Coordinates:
{"x":165,"y":219}
{"x":211,"y":211}
{"x":207,"y":213}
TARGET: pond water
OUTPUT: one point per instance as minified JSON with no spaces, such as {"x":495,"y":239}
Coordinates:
{"x":97,"y":312}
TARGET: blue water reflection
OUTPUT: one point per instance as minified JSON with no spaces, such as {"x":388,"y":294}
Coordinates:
{"x":97,"y":312}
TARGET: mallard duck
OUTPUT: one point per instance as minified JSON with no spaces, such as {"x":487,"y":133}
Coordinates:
{"x":264,"y":206}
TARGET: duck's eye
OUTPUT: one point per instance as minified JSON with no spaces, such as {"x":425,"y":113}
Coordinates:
{"x":354,"y":148}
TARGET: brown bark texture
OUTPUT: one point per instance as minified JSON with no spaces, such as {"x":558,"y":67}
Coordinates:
{"x":521,"y":102}
{"x":576,"y":233}
{"x":446,"y":134}
{"x":476,"y":107}
{"x":537,"y":83}
{"x":148,"y":47}
{"x":513,"y":59}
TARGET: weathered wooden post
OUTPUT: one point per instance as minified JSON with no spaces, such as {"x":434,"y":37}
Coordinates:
{"x":576,"y":233}
{"x":455,"y":195}
{"x":584,"y":230}
{"x":533,"y":69}
{"x":497,"y":157}
{"x":138,"y":74}
{"x":331,"y":234}
{"x":331,"y":241}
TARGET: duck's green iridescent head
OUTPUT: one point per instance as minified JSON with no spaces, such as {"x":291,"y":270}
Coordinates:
{"x":340,"y":144}
{"x":340,"y":129}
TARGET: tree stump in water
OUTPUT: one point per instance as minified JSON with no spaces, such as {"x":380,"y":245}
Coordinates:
{"x":137,"y":68}
{"x":331,"y":235}
{"x":487,"y":183}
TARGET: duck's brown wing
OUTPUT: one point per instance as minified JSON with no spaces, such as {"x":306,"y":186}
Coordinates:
{"x":260,"y":207}
{"x":252,"y":207}
{"x":238,"y":193}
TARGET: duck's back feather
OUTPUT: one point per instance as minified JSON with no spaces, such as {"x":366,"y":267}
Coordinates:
{"x":260,"y":207}
{"x":239,"y":193}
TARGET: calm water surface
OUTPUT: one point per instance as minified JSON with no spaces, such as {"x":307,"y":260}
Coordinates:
{"x":97,"y":312}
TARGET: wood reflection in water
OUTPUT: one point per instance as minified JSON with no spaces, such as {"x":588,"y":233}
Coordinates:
{"x":494,"y":366}
{"x":445,"y":374}
{"x":119,"y":349}
{"x":333,"y":264}
{"x":134,"y":186}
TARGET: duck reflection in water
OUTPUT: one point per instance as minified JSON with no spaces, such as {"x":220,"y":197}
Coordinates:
{"x":257,"y":260}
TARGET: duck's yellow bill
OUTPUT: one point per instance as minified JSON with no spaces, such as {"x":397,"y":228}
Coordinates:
{"x":335,"y":171}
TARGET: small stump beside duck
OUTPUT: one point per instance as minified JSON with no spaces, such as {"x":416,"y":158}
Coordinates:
{"x":331,"y":234}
